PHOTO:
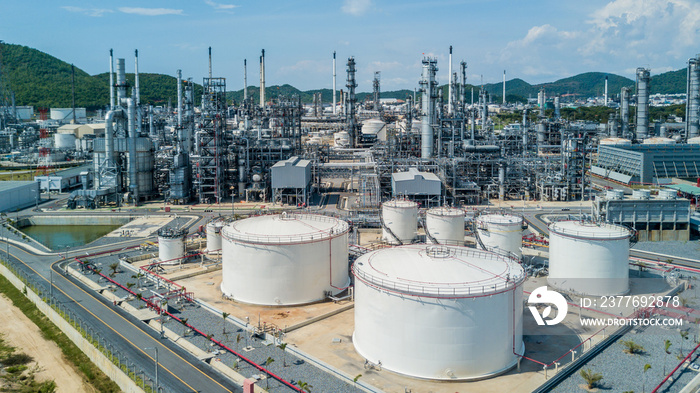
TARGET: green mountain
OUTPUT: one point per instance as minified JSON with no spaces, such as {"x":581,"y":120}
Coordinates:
{"x":42,"y":80}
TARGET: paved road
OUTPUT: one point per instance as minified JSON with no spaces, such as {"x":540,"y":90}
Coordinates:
{"x":125,"y":335}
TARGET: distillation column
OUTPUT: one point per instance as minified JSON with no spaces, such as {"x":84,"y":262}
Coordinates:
{"x":625,"y":110}
{"x":428,"y":85}
{"x":642,"y":103}
{"x":693,"y":103}
{"x":350,"y":102}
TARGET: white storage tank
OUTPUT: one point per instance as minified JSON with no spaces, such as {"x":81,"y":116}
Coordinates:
{"x":171,"y":245}
{"x":214,"y":235}
{"x":501,"y":232}
{"x":589,"y":258}
{"x":284,"y":259}
{"x":614,"y":195}
{"x":439,"y":312}
{"x":668,"y":194}
{"x":446,"y":225}
{"x":641,"y":194}
{"x":372,"y":126}
{"x":401,"y":218}
{"x":64,"y":141}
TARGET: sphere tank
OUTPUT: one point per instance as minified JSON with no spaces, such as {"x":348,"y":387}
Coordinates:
{"x":400,"y":217}
{"x":446,"y":225}
{"x":589,"y":258}
{"x":501,"y":232}
{"x":439,"y":312}
{"x":284,"y":259}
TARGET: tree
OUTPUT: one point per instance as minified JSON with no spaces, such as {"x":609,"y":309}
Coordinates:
{"x":224,"y":315}
{"x":684,"y":336}
{"x":138,"y":277}
{"x":632,"y":348}
{"x":591,"y":378}
{"x":644,"y":381}
{"x":283,"y":347}
{"x":667,"y":346}
{"x":267,"y":363}
{"x":354,"y":380}
{"x":304,"y":386}
{"x":130,"y":285}
{"x":114,"y":267}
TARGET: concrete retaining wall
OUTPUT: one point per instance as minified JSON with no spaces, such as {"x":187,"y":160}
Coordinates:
{"x":101,"y":361}
{"x":73,"y":220}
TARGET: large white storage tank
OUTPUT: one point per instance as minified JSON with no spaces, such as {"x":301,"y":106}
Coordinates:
{"x":589,"y":258}
{"x":171,"y":245}
{"x":284,"y":259}
{"x":372,"y":126}
{"x":401,"y":218}
{"x":214,"y":235}
{"x":501,"y":232}
{"x":64,"y":141}
{"x":439,"y":312}
{"x":446,"y":225}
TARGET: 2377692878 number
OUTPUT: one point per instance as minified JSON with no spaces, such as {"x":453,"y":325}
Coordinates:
{"x":639,"y":301}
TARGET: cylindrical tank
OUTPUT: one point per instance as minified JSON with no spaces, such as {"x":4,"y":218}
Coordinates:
{"x":445,"y":225}
{"x":214,"y":235}
{"x":372,"y":126}
{"x":171,"y":245}
{"x":643,"y":78}
{"x":589,"y":258}
{"x":400,"y":218}
{"x":659,"y":141}
{"x":64,"y":141}
{"x":614,"y":195}
{"x":501,"y":232}
{"x":284,"y":259}
{"x":668,"y":194}
{"x":641,"y":194}
{"x":439,"y":312}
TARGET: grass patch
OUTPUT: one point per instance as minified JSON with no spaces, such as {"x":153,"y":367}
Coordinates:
{"x":93,"y":375}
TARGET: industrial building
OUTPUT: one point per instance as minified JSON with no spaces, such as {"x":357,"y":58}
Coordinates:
{"x":647,"y":163}
{"x":16,"y":195}
{"x":291,"y":180}
{"x":65,"y":180}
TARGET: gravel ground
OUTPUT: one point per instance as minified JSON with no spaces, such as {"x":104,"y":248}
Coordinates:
{"x":285,"y":364}
{"x":689,"y":249}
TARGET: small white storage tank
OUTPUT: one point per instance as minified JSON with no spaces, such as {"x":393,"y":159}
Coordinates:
{"x":589,"y":258}
{"x":614,"y":195}
{"x":64,"y":141}
{"x":641,"y":194}
{"x":284,"y":259}
{"x":372,"y":126}
{"x":171,"y":245}
{"x":439,"y":312}
{"x":659,"y":141}
{"x":668,"y":194}
{"x":401,"y":217}
{"x":214,"y":235}
{"x":446,"y":225}
{"x":501,"y":232}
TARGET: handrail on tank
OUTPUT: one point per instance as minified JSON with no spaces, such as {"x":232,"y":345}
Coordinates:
{"x":623,"y":233}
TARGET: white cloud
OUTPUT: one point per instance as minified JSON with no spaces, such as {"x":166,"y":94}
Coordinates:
{"x":220,"y":6}
{"x":150,"y":11}
{"x":96,"y":12}
{"x":356,"y":7}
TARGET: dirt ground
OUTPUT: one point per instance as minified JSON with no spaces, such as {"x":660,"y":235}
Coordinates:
{"x":23,"y":334}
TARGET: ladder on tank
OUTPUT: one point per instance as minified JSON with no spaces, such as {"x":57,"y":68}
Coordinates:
{"x":386,"y":228}
{"x":427,"y":232}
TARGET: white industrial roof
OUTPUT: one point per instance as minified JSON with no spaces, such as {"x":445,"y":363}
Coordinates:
{"x":441,"y":271}
{"x":589,"y":230}
{"x":285,"y":228}
{"x":446,"y":211}
{"x":295,"y":161}
{"x":414,"y":173}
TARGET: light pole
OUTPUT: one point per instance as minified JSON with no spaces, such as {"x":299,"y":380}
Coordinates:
{"x":156,"y":359}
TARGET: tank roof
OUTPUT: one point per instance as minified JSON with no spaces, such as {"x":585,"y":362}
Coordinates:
{"x":438,"y":271}
{"x":589,"y":230}
{"x":446,"y":211}
{"x":500,"y":218}
{"x":285,"y":228}
{"x":400,"y":203}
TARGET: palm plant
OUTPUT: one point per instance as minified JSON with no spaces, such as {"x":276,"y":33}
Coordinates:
{"x":591,"y":378}
{"x":283,"y":347}
{"x":224,"y":315}
{"x":667,"y":346}
{"x":644,"y":381}
{"x":304,"y":386}
{"x":632,"y":348}
{"x":114,"y":267}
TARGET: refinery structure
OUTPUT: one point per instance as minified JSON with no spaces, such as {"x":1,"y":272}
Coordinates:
{"x":396,"y":247}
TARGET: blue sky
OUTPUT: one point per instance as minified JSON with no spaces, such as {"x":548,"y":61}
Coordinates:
{"x":536,"y":40}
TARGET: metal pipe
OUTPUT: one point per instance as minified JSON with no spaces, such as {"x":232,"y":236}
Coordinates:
{"x":109,"y":136}
{"x":179,"y":98}
{"x":121,"y":81}
{"x":111,"y":80}
{"x":334,"y":109}
{"x":262,"y":79}
{"x":605,"y":97}
{"x":449,"y":86}
{"x":428,"y":84}
{"x":625,"y":110}
{"x":245,"y":79}
{"x":136,"y":77}
{"x":210,"y":73}
{"x":133,"y":183}
{"x":504,"y":87}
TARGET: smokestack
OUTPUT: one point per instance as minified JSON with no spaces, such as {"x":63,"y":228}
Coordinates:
{"x":210,"y":74}
{"x":262,"y":79}
{"x":72,"y":89}
{"x":334,"y":110}
{"x":179,"y":98}
{"x":449,"y":86}
{"x":605,"y":97}
{"x":557,"y":108}
{"x":504,"y":87}
{"x":245,"y":79}
{"x":642,"y":103}
{"x":121,"y":81}
{"x":111,"y":80}
{"x":136,"y":77}
{"x":625,"y":110}
{"x":692,"y":108}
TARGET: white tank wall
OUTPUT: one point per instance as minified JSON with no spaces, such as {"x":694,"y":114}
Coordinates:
{"x":501,"y":232}
{"x":284,"y":270}
{"x":214,"y":236}
{"x":402,"y":218}
{"x":436,"y":337}
{"x":64,"y":141}
{"x":589,"y":259}
{"x":170,"y":250}
{"x":446,"y":225}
